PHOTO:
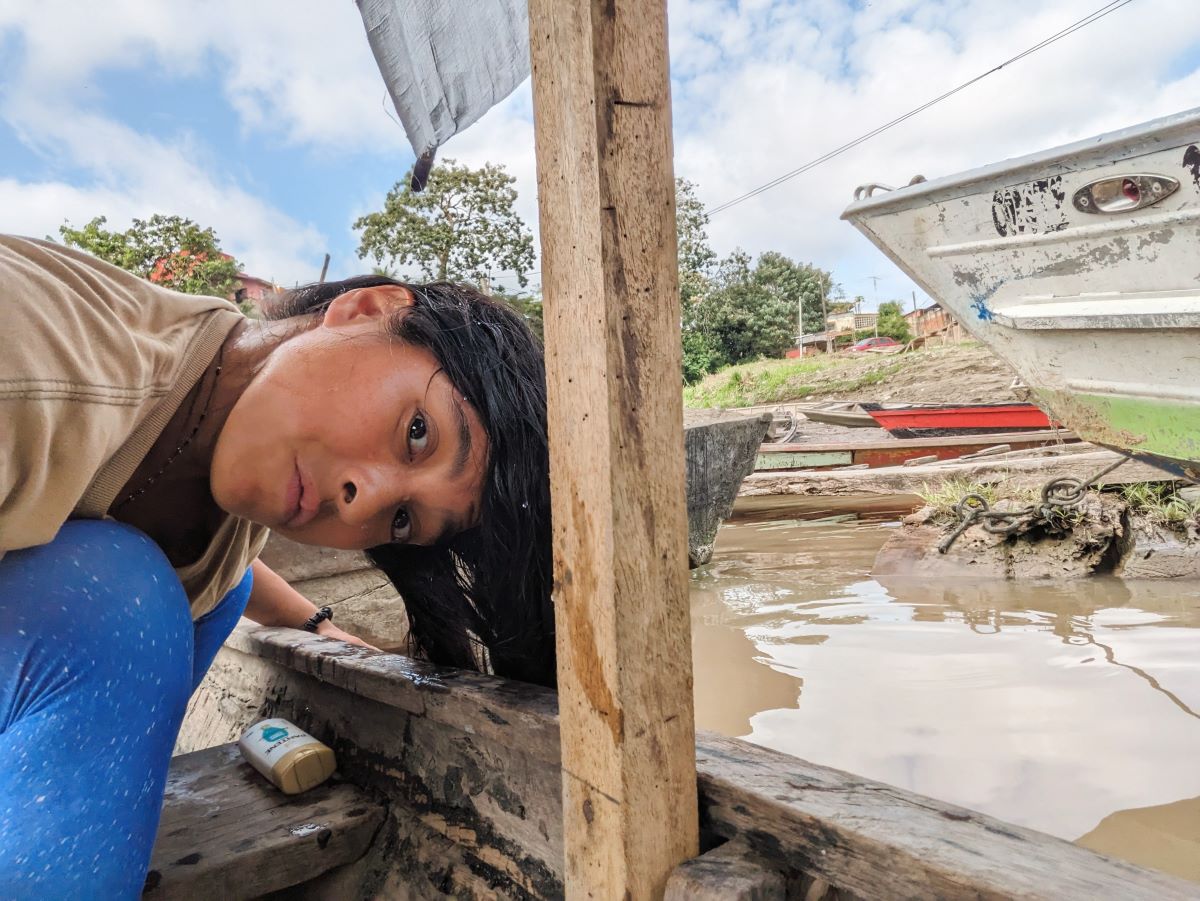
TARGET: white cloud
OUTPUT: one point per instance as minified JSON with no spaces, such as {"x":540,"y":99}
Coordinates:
{"x":760,"y":87}
{"x":299,"y":69}
{"x":135,"y":175}
{"x":768,"y":109}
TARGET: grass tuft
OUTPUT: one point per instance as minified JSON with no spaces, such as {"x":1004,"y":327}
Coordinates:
{"x":1160,"y":504}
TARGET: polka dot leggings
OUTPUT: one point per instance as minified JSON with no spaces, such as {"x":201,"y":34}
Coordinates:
{"x":98,"y":657}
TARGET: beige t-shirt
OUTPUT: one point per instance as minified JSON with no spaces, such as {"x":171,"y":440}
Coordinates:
{"x":94,"y":362}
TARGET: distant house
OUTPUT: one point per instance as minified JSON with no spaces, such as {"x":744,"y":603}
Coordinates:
{"x":840,"y":330}
{"x":852,"y":322}
{"x":258,"y":291}
{"x":934,"y":322}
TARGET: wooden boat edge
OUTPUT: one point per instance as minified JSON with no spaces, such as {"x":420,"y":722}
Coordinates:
{"x":469,"y":764}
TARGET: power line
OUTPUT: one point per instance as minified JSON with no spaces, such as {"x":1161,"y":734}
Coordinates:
{"x":1100,"y":13}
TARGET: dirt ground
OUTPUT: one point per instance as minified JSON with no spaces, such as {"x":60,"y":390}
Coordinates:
{"x":951,"y":375}
{"x":960,"y":373}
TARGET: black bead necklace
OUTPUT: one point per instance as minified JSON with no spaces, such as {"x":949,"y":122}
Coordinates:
{"x":183,"y":444}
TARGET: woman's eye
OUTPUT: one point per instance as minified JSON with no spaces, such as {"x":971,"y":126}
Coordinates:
{"x":401,"y":527}
{"x":418,"y":434}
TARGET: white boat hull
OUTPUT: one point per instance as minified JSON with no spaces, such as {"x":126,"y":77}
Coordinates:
{"x":1099,"y":311}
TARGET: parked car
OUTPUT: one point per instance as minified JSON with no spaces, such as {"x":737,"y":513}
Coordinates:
{"x":874,"y":343}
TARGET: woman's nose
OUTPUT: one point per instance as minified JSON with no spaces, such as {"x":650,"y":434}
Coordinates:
{"x":364,"y":493}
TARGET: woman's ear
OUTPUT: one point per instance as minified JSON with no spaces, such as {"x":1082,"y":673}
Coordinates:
{"x":360,"y":304}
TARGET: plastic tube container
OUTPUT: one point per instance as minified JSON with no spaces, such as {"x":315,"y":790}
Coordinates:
{"x":288,"y":756}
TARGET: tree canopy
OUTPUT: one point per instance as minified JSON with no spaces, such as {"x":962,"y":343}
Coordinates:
{"x":529,"y":305}
{"x":462,"y":227}
{"x":747,"y":310}
{"x":798,"y":285}
{"x":891,"y":322}
{"x":169,"y":250}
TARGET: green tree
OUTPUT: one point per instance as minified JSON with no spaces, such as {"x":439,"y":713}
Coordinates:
{"x":460,"y":228}
{"x":803,"y":287}
{"x":529,"y":305}
{"x":699,"y":356}
{"x":168,"y":250}
{"x":741,"y":318}
{"x":696,"y":258}
{"x":891,"y":322}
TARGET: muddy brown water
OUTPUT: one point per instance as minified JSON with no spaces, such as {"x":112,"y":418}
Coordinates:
{"x":1073,"y":709}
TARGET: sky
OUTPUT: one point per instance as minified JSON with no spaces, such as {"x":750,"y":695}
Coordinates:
{"x":268,"y":121}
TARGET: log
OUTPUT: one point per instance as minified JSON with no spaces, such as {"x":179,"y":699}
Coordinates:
{"x":602,"y":111}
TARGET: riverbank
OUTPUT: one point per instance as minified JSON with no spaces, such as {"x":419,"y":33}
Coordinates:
{"x":957,"y":373}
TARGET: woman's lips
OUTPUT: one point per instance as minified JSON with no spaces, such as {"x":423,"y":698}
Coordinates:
{"x":302,"y":500}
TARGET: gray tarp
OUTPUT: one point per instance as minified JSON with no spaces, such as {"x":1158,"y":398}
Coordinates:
{"x":446,"y":63}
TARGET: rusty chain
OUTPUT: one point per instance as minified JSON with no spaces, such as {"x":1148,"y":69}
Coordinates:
{"x":1058,"y":495}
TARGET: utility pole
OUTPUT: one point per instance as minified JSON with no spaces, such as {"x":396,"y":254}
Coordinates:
{"x":825,"y":318}
{"x":324,"y":270}
{"x":875,"y":296}
{"x":800,"y":323}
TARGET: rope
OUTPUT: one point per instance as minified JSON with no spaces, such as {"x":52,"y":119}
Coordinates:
{"x":1058,"y":495}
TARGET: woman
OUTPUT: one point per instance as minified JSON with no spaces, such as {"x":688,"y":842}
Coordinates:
{"x":148,"y":442}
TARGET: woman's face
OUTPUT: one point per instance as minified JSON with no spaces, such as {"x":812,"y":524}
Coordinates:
{"x":349,"y":438}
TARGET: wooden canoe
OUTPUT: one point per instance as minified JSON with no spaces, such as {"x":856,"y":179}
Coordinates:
{"x":853,"y":418}
{"x":935,"y":420}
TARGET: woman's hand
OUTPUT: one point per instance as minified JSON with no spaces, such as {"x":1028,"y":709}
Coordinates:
{"x":329,"y":630}
{"x":273,"y":602}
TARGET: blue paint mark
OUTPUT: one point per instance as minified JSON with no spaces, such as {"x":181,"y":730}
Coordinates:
{"x":979,"y":302}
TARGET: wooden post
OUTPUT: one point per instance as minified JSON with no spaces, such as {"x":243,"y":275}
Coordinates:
{"x":602,"y":112}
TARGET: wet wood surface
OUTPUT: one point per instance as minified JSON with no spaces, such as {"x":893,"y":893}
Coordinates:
{"x":227,"y":833}
{"x":473,"y":767}
{"x":606,"y":200}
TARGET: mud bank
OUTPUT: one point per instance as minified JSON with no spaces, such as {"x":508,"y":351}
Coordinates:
{"x":1102,"y":537}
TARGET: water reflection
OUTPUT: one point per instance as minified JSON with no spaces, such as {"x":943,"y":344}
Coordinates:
{"x":1068,"y":708}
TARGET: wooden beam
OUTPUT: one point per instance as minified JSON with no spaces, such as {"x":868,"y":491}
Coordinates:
{"x":732,"y":872}
{"x":227,"y":833}
{"x":602,"y":112}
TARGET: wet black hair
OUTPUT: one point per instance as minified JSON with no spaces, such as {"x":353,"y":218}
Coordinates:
{"x":482,"y":599}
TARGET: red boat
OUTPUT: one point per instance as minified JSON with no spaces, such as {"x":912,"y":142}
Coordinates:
{"x":939,"y":420}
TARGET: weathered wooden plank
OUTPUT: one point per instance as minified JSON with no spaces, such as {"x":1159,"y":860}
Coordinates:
{"x":875,"y":840}
{"x":511,"y":713}
{"x":226,"y":832}
{"x":602,"y":110}
{"x":1045,"y":436}
{"x":892,"y":452}
{"x":501,"y":807}
{"x":1014,"y":473}
{"x":732,"y":872}
{"x":802,"y":459}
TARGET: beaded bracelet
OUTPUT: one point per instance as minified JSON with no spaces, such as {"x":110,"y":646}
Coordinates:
{"x":310,"y":624}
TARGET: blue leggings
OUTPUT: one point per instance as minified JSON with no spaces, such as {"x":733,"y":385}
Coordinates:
{"x":98,"y":657}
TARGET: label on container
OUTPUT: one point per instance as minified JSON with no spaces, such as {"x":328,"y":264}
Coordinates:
{"x":271,"y":739}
